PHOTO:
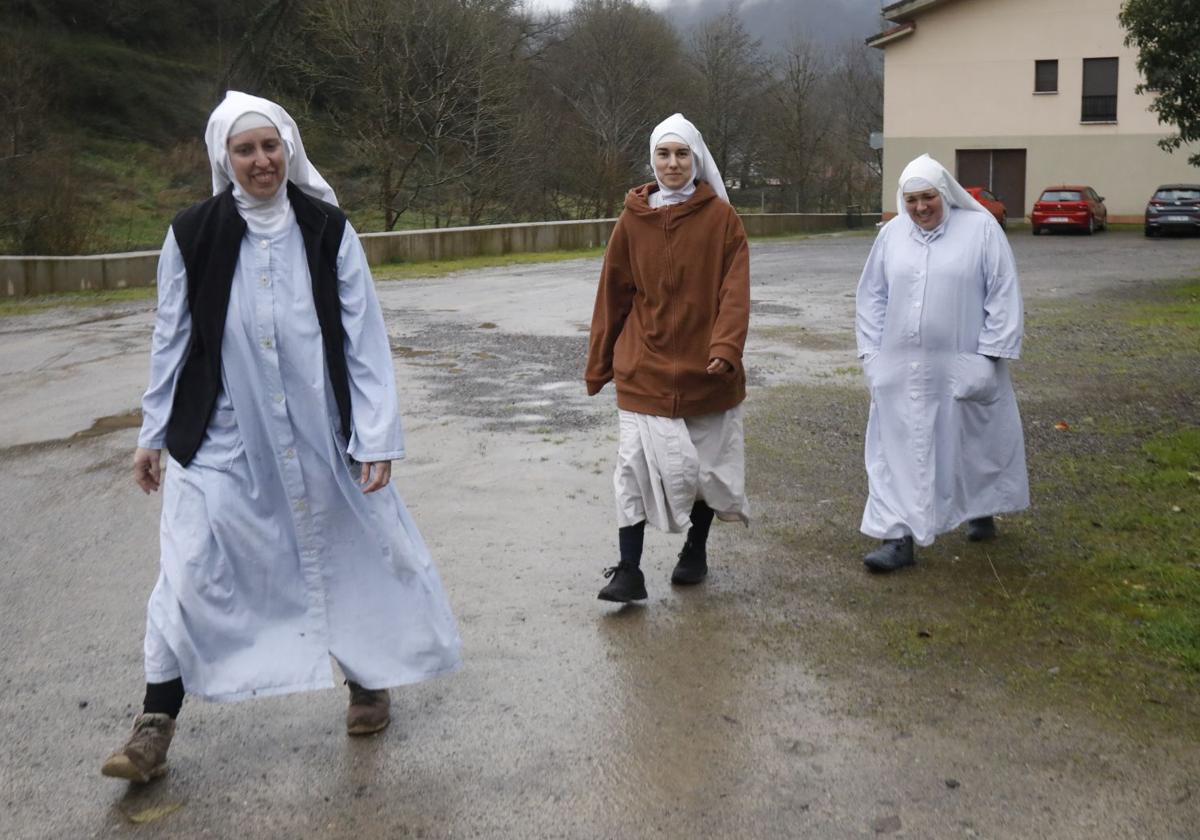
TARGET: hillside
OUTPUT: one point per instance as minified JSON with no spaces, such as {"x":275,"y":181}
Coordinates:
{"x":422,"y":113}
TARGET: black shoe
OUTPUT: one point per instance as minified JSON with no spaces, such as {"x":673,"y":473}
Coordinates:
{"x":981,"y":529}
{"x":692,"y":566}
{"x":892,"y":555}
{"x":627,"y":584}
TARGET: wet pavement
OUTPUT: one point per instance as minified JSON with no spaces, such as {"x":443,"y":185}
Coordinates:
{"x":572,"y":718}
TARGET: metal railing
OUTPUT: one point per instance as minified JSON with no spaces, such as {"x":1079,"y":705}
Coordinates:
{"x":1099,"y":109}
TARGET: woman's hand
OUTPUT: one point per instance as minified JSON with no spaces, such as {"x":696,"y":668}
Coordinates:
{"x":375,"y":475}
{"x":147,"y":468}
{"x":718,"y":366}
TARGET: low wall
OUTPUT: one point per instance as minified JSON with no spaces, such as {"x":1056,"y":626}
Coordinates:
{"x":490,"y":240}
{"x":28,"y":276}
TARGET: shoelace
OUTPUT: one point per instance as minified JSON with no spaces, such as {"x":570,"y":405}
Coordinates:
{"x":610,"y":571}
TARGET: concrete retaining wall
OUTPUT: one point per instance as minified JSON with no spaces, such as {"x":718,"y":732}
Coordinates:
{"x":28,"y":276}
{"x":492,"y":240}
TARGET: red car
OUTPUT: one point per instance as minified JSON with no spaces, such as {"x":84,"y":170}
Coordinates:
{"x":992,"y":204}
{"x":1069,"y":207}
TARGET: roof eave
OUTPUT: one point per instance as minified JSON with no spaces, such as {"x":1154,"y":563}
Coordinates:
{"x":894,"y":34}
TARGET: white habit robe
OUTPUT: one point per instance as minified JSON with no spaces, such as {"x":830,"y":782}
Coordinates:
{"x":272,"y":557}
{"x":944,"y":441}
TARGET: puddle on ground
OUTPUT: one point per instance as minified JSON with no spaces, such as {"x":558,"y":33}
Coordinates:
{"x":409,"y":352}
{"x":113,"y":423}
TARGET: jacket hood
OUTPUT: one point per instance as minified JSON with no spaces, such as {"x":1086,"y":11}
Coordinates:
{"x":637,"y":200}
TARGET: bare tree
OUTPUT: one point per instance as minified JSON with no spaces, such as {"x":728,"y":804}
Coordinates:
{"x":423,"y":89}
{"x":732,"y":75}
{"x":23,"y":93}
{"x":618,"y":71}
{"x":796,"y":139}
{"x":856,"y":85}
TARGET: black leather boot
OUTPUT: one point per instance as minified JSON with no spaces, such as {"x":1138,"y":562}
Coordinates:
{"x":692,"y":566}
{"x":981,"y":529}
{"x":627,"y":584}
{"x":892,"y":555}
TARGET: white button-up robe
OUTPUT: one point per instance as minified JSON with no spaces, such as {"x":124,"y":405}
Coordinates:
{"x":273,"y":558}
{"x":944,"y":441}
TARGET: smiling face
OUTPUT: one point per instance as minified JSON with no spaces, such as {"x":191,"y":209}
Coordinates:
{"x":673,"y":164}
{"x":258,"y":159}
{"x":925,"y":207}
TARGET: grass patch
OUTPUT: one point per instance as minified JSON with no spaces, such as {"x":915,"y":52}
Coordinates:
{"x":40,"y":303}
{"x":440,"y":268}
{"x":1091,"y":599}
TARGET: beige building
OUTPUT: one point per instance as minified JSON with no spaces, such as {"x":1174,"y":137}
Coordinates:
{"x":1019,"y":95}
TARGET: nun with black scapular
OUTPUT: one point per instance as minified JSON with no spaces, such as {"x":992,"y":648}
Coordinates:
{"x":939,"y":319}
{"x":283,"y":543}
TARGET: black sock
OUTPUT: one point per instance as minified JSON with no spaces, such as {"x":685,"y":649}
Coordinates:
{"x":164,"y":698}
{"x":630,"y":540}
{"x":702,"y":517}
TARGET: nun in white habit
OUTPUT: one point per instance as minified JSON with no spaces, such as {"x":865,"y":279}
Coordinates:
{"x":283,"y":543}
{"x":939,"y":318}
{"x":669,"y":327}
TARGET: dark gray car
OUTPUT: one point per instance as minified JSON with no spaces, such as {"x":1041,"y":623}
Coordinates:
{"x":1174,"y":208}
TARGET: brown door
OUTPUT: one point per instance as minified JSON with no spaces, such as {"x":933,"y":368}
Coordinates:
{"x":1000,"y":170}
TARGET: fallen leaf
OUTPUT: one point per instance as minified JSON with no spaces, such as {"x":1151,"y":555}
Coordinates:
{"x":154,"y":812}
{"x":1062,"y":426}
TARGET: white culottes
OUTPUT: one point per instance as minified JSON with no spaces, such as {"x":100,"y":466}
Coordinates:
{"x":664,"y":464}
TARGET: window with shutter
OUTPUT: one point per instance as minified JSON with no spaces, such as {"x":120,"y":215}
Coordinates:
{"x":1099,"y":90}
{"x":1045,"y":76}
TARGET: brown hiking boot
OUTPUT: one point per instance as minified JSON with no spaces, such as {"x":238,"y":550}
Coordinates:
{"x":369,"y":710}
{"x":144,"y":756}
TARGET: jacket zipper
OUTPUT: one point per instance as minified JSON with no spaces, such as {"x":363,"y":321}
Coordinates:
{"x":674,"y":324}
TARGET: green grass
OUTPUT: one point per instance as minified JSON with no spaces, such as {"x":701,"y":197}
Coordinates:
{"x":1091,"y":598}
{"x":440,"y":268}
{"x":1130,"y":527}
{"x":40,"y":303}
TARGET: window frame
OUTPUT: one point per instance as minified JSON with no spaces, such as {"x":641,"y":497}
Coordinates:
{"x":1044,"y":62}
{"x":1107,"y":116}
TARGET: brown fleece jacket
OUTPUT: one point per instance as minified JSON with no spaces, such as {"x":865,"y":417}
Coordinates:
{"x":674,"y":294}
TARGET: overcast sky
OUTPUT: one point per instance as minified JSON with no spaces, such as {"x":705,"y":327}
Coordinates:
{"x":828,"y":21}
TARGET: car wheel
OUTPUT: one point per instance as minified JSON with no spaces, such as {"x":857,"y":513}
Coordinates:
{"x":1003,"y":221}
{"x":1037,"y":231}
{"x":1091,"y":228}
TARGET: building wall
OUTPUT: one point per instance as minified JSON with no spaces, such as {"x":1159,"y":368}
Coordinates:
{"x":964,"y":80}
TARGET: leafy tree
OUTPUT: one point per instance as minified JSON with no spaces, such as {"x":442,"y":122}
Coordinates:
{"x":1165,"y":33}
